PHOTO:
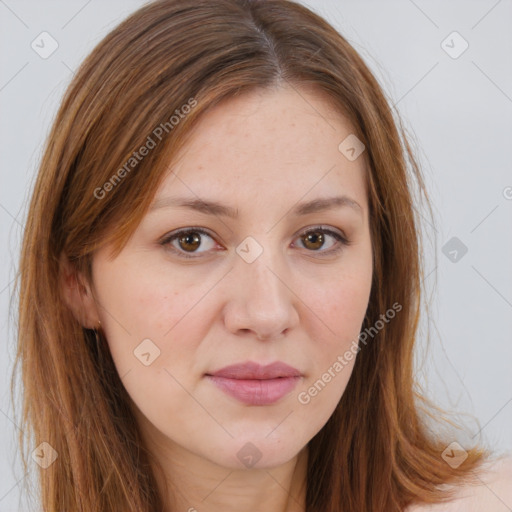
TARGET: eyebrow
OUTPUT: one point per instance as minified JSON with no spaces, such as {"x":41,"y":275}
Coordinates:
{"x":215,"y":208}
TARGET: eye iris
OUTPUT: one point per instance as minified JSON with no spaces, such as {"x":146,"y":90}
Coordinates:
{"x":190,"y":238}
{"x":314,"y":238}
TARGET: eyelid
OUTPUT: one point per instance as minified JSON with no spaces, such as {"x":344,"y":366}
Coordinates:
{"x":337,"y":234}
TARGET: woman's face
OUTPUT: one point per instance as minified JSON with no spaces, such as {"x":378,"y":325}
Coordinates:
{"x":234,"y":340}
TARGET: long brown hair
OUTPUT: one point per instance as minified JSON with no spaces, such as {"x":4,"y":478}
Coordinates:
{"x":376,"y":451}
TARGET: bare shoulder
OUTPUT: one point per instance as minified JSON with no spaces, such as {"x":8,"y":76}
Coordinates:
{"x":493,"y":494}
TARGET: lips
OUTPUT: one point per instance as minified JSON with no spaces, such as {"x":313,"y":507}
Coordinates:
{"x":256,"y":371}
{"x":255,"y":384}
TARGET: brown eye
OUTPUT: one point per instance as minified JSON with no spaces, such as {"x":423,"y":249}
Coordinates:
{"x":313,"y":240}
{"x":186,"y":242}
{"x":190,"y":241}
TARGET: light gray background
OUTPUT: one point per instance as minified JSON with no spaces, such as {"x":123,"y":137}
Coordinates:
{"x":458,"y":111}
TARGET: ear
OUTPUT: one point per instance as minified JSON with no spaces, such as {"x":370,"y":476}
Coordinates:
{"x":77,"y":294}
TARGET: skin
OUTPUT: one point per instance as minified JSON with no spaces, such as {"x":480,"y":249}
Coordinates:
{"x":261,"y":153}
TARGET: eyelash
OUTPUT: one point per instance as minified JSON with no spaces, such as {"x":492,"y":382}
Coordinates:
{"x":166,"y":241}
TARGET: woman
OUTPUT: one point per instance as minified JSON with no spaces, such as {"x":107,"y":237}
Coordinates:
{"x":220,"y":280}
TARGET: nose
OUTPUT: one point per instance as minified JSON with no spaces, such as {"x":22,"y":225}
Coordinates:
{"x":261,"y":300}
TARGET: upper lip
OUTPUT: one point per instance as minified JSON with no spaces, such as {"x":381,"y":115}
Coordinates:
{"x":256,"y":371}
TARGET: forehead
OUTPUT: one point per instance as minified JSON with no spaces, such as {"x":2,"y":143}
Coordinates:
{"x":267,"y":145}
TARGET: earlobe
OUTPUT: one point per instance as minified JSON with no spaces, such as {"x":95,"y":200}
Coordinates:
{"x":77,"y":294}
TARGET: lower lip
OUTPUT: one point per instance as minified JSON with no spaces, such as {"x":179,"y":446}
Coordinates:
{"x":256,"y":392}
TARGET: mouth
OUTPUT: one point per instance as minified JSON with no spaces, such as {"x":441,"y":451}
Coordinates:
{"x":255,"y":384}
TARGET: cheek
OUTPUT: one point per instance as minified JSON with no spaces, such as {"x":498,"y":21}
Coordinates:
{"x":342,"y":303}
{"x":138,"y":304}
{"x":340,"y":306}
{"x":144,"y":301}
{"x":153,"y":327}
{"x":341,"y":317}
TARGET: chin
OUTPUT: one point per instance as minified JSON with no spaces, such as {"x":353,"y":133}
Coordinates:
{"x":255,"y":451}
